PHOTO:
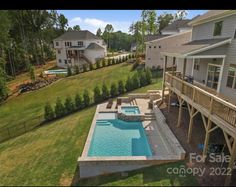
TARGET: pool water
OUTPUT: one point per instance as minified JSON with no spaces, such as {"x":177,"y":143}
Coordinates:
{"x":119,"y":138}
{"x":56,"y":71}
{"x":130,"y":110}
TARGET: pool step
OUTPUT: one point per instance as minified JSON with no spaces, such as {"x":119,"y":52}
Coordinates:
{"x":149,"y":117}
{"x":103,"y":123}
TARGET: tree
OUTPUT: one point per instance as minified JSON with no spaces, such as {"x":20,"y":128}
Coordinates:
{"x":128,"y":84}
{"x":164,"y":20}
{"x":149,"y":19}
{"x":113,"y":90}
{"x":105,"y":92}
{"x":91,"y":67}
{"x":107,"y":32}
{"x":113,"y":61}
{"x":103,"y":62}
{"x":86,"y":98}
{"x":98,"y":64}
{"x":137,"y":31}
{"x":48,"y":112}
{"x":69,"y":105}
{"x":97,"y":94}
{"x":99,"y":32}
{"x":59,"y":108}
{"x":148,"y":76}
{"x":76,"y":69}
{"x":32,"y":73}
{"x":3,"y":86}
{"x":121,"y":87}
{"x":142,"y":78}
{"x":85,"y":67}
{"x":180,"y":15}
{"x":69,"y":72}
{"x":76,"y":28}
{"x":135,"y":81}
{"x":78,"y":101}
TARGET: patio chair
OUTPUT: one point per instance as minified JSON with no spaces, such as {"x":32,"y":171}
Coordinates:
{"x":110,"y":103}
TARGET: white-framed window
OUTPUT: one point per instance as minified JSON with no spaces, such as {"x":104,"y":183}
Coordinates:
{"x":80,"y":43}
{"x":218,"y":28}
{"x":67,"y":43}
{"x":196,"y":64}
{"x":231,"y":79}
{"x":65,"y":61}
{"x":59,"y":51}
{"x":59,"y":60}
{"x":57,"y":43}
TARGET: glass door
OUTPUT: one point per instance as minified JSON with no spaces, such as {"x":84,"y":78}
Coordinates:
{"x":213,"y":75}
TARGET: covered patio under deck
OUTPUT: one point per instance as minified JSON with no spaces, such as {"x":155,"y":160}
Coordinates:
{"x":203,"y":98}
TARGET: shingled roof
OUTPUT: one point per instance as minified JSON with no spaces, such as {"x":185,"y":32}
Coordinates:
{"x":174,"y":27}
{"x":77,"y":35}
{"x":94,"y":46}
{"x":150,"y":37}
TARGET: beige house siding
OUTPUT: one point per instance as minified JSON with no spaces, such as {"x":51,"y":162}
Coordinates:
{"x":153,"y":55}
{"x":205,"y":30}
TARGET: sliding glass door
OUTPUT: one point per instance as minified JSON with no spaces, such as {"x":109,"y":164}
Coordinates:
{"x":213,"y":75}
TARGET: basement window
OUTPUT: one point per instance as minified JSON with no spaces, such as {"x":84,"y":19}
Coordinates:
{"x":218,"y":28}
{"x":231,"y":79}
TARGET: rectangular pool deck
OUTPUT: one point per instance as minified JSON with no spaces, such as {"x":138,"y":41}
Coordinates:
{"x":164,"y":145}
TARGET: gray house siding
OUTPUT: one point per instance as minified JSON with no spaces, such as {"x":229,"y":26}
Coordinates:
{"x":200,"y":75}
{"x":216,"y":51}
{"x":205,"y":30}
{"x":230,"y":59}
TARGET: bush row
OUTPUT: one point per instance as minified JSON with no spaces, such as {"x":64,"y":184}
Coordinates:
{"x":99,"y":64}
{"x":100,"y":94}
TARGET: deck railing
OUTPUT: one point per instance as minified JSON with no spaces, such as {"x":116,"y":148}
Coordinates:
{"x":213,"y":104}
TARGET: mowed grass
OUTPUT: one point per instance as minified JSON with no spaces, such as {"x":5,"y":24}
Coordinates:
{"x":48,"y":155}
{"x":29,"y":107}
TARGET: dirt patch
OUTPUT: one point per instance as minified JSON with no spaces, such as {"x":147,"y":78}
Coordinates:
{"x":65,"y":180}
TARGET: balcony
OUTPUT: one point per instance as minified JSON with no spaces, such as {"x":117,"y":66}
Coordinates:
{"x":221,"y":112}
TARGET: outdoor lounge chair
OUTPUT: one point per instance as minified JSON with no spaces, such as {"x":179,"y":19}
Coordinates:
{"x":110,"y":103}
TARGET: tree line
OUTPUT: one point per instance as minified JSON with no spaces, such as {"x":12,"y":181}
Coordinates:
{"x":100,"y":94}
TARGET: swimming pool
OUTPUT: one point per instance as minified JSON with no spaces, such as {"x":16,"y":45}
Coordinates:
{"x":130,"y":110}
{"x":115,"y":137}
{"x":56,"y":71}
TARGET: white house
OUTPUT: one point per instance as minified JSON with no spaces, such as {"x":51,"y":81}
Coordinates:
{"x":78,"y":47}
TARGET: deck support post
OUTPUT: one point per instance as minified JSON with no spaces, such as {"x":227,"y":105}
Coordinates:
{"x":164,"y":79}
{"x":206,"y":141}
{"x":181,"y":101}
{"x":231,"y":164}
{"x":169,"y":100}
{"x":190,"y":129}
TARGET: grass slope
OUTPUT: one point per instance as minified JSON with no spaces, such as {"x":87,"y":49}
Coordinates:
{"x":29,"y":107}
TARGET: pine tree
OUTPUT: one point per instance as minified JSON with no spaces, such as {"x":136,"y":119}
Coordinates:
{"x":91,"y":67}
{"x":105,"y":92}
{"x":59,"y":108}
{"x":113,"y":90}
{"x":69,"y":72}
{"x":148,"y":76}
{"x":78,"y":101}
{"x":135,"y":81}
{"x":142,"y":78}
{"x":121,"y":87}
{"x":69,"y":105}
{"x":86,"y":98}
{"x":97,"y":96}
{"x":104,"y":63}
{"x":113,"y":61}
{"x":48,"y":112}
{"x":32,"y":73}
{"x":84,"y":67}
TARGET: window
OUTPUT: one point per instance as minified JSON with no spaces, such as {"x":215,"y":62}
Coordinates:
{"x":149,"y":58}
{"x":57,"y":43}
{"x":154,"y":47}
{"x":196,"y":65}
{"x":231,"y":80}
{"x":80,"y":43}
{"x":59,"y":60}
{"x":218,"y":28}
{"x":59,"y":51}
{"x":150,"y":47}
{"x":159,"y":47}
{"x":67,"y":43}
{"x":65,"y":61}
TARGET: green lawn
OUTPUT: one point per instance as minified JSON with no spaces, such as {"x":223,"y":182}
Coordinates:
{"x":29,"y":107}
{"x":48,"y":156}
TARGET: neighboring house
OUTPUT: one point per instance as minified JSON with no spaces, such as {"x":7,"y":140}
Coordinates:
{"x":210,"y":56}
{"x":78,"y":47}
{"x":174,"y":34}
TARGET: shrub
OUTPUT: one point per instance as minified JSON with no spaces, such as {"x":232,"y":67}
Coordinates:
{"x":48,"y":112}
{"x":3,"y":85}
{"x":76,"y":69}
{"x":119,"y":61}
{"x":105,"y":92}
{"x":113,"y":90}
{"x":91,"y":67}
{"x":97,"y":96}
{"x":135,"y":81}
{"x":142,"y":78}
{"x":59,"y":108}
{"x":109,"y":62}
{"x":98,"y":64}
{"x":69,"y":105}
{"x":128,"y":84}
{"x":148,"y":76}
{"x":104,"y":63}
{"x":85,"y":67}
{"x":32,"y":73}
{"x":113,"y":61}
{"x":78,"y":101}
{"x":69,"y":72}
{"x":126,"y":57}
{"x":121,"y":87}
{"x":86,"y":98}
{"x":129,"y":56}
{"x":123,"y":59}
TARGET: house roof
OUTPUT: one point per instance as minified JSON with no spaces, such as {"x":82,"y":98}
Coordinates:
{"x":195,"y":46}
{"x":176,"y":25}
{"x":150,"y":37}
{"x":211,"y":15}
{"x":94,"y":46}
{"x":77,"y":35}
